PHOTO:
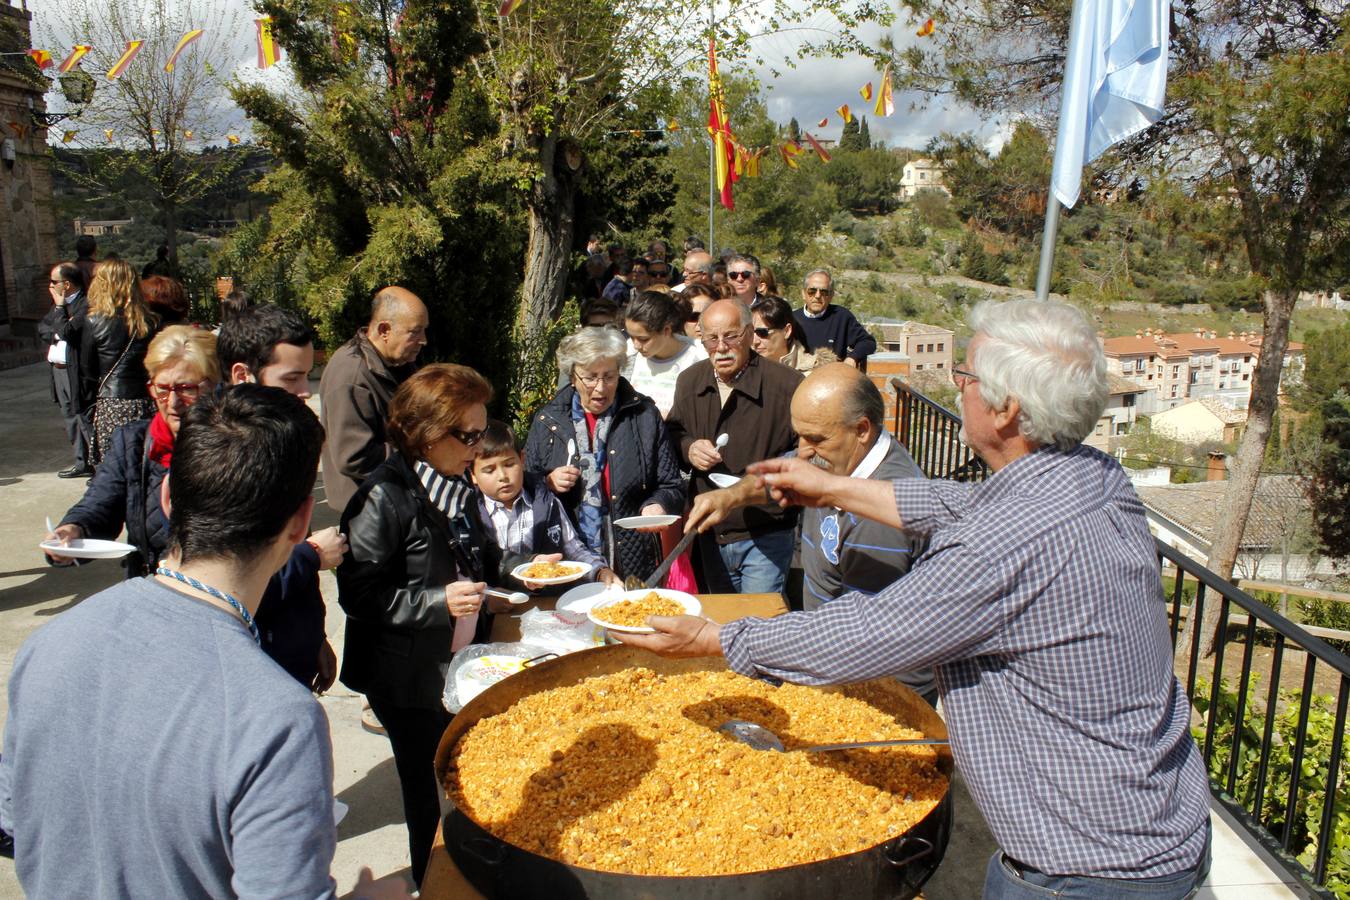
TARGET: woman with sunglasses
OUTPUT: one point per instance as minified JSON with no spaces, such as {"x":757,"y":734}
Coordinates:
{"x":776,"y":337}
{"x":125,"y":489}
{"x":602,"y":448}
{"x":412,"y":581}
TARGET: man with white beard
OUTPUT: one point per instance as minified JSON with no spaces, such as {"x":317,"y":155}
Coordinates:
{"x":748,"y":398}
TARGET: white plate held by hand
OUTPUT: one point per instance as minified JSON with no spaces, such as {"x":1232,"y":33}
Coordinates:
{"x":596,"y":613}
{"x":88,"y":548}
{"x":723,"y":480}
{"x":646,"y":521}
{"x":579,"y":570}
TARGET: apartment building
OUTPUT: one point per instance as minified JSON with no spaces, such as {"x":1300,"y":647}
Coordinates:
{"x":928,"y":347}
{"x":920,"y":175}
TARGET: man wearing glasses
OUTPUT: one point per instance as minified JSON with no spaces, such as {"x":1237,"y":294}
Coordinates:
{"x":69,"y":307}
{"x":743,"y":276}
{"x":748,"y":398}
{"x":698,"y":269}
{"x":825,"y":325}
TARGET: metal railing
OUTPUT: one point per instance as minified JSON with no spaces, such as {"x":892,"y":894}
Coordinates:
{"x":1283,"y":786}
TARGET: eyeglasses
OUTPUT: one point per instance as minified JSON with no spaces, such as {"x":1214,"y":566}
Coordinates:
{"x":961,"y":377}
{"x":819,"y":292}
{"x":467,"y":438}
{"x":55,"y":281}
{"x":765,"y":332}
{"x":740,"y":275}
{"x":594,"y":381}
{"x":188,"y":392}
{"x":730,"y":339}
{"x":658,"y":273}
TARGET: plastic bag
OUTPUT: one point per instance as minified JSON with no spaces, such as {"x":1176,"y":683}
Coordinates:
{"x":479,"y":666}
{"x":560,"y":631}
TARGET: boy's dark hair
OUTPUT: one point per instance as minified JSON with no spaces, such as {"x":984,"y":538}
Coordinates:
{"x":498,"y":440}
{"x":85,"y":245}
{"x":251,"y":336}
{"x":243,"y":463}
{"x":656,"y":311}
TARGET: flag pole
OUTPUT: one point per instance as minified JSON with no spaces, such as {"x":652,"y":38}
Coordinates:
{"x":712,"y":139}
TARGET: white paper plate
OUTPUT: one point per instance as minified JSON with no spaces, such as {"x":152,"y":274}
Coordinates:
{"x":646,"y":521}
{"x":88,"y":548}
{"x":582,"y":570}
{"x":581,"y":598}
{"x":690,"y":603}
{"x":723,"y":480}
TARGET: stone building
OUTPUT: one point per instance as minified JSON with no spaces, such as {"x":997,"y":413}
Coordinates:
{"x":27,"y":219}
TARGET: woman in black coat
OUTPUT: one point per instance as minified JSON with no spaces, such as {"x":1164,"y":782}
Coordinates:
{"x":602,"y":447}
{"x":113,"y":343}
{"x":412,"y":582}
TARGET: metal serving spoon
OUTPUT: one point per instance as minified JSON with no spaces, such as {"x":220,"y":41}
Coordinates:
{"x":516,"y":597}
{"x":761,"y":738}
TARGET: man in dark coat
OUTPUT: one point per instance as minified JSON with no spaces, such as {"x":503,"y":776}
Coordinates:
{"x":59,"y":330}
{"x":358,"y":384}
{"x":824,"y":324}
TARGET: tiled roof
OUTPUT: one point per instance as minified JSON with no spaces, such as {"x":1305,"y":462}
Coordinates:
{"x":1195,"y":507}
{"x":1228,"y":415}
{"x":1124,"y":385}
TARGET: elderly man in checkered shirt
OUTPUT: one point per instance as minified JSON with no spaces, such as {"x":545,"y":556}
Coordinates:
{"x":1039,"y":604}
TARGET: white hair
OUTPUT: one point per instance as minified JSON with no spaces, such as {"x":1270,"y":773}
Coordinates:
{"x":591,"y":345}
{"x":1045,"y":354}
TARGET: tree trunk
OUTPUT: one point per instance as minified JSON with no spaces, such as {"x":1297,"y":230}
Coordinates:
{"x":170,"y":211}
{"x":552,"y":203}
{"x":1236,"y":504}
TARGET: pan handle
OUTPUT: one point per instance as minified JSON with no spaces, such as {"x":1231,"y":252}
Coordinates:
{"x":485,"y":850}
{"x":923,"y":845}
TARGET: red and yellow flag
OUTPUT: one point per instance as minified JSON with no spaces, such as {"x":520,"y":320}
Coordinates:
{"x":41,"y":57}
{"x":866,"y":91}
{"x":187,"y":135}
{"x":815,"y":145}
{"x":268,"y":51}
{"x":790,"y":152}
{"x":67,"y":137}
{"x":508,"y":7}
{"x":752,"y":163}
{"x":133,"y":47}
{"x":232,"y":138}
{"x":822,"y":123}
{"x":107,"y":133}
{"x":724,"y":152}
{"x":19,"y":128}
{"x":180,"y":47}
{"x":672,"y":125}
{"x":928,"y":28}
{"x":845,"y":113}
{"x":885,"y":101}
{"x":76,"y":54}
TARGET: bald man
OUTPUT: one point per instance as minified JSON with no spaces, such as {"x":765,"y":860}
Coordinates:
{"x":838,"y":415}
{"x":358,"y":384}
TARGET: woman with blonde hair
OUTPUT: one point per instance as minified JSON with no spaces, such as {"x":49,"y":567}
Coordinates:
{"x":112,"y":353}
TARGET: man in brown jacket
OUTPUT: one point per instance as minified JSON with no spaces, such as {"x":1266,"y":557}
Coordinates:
{"x":749,"y":399}
{"x":357,"y":385}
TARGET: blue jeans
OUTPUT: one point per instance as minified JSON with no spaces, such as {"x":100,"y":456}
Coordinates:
{"x":757,"y":565}
{"x":1003,"y":881}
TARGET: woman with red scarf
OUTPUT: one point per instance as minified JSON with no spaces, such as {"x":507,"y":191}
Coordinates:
{"x":182,"y":364}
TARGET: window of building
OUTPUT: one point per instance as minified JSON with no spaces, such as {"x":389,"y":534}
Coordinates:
{"x":1245,"y":376}
{"x":940,"y":365}
{"x":940,"y":346}
{"x":1122,"y":428}
{"x":918,"y":367}
{"x":1128,"y":401}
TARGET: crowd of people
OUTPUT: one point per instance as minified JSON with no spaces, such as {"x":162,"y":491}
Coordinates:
{"x":1047,"y":653}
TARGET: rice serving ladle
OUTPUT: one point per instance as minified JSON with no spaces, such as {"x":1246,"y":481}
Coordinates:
{"x":761,"y":738}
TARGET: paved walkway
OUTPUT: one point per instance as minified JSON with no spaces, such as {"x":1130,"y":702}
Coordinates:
{"x":33,"y":448}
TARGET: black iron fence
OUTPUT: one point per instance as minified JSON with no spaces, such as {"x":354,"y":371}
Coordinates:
{"x":1274,"y":739}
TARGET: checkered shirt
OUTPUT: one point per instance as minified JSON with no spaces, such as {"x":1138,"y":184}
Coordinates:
{"x":1039,"y":603}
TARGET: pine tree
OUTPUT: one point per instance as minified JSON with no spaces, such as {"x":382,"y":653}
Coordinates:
{"x":865,"y":134}
{"x":794,"y":131}
{"x":851,"y":139}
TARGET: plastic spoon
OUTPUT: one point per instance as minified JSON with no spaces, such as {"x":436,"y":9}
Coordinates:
{"x":761,"y":738}
{"x":516,"y":597}
{"x":722,"y":440}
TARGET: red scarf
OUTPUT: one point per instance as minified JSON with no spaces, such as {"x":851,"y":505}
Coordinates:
{"x":161,"y":441}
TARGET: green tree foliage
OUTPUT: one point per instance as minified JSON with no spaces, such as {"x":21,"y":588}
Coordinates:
{"x":1330,"y":489}
{"x":1326,"y":368}
{"x":864,"y":178}
{"x":388,"y":175}
{"x":851,"y":138}
{"x":1006,"y":191}
{"x":794,"y":131}
{"x":866,"y":134}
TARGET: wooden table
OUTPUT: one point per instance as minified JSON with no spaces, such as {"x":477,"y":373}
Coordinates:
{"x":443,"y":880}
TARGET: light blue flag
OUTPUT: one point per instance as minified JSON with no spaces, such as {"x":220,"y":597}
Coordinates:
{"x":1114,"y":80}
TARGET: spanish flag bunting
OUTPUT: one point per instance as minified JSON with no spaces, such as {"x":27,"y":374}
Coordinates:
{"x":752,"y":163}
{"x":268,"y":51}
{"x":789,"y":152}
{"x":232,"y":138}
{"x":866,"y":91}
{"x":508,"y":7}
{"x":845,"y":113}
{"x":637,"y":132}
{"x":740,"y":160}
{"x":885,"y":102}
{"x":343,"y":42}
{"x":41,"y":57}
{"x":67,"y":137}
{"x":18,"y":128}
{"x":720,"y":130}
{"x":75,"y":56}
{"x":672,"y":125}
{"x":928,"y":28}
{"x":133,"y":47}
{"x":187,"y":135}
{"x":107,"y":133}
{"x":180,"y":47}
{"x":815,"y":145}
{"x":822,"y":123}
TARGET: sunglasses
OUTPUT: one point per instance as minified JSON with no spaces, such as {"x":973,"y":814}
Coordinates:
{"x":56,"y":281}
{"x":740,"y":276}
{"x":467,"y":438}
{"x":765,"y":332}
{"x":658,"y":273}
{"x":819,"y":292}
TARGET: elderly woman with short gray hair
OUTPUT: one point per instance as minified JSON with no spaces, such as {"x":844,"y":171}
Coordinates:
{"x":602,"y":448}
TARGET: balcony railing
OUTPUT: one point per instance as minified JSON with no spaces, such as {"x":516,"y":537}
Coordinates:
{"x":1278,"y":768}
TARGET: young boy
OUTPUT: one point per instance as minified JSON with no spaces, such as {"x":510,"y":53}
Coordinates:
{"x":526,"y":519}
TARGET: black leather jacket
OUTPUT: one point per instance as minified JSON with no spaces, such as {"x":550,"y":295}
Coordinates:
{"x":102,"y":361}
{"x":403,"y":552}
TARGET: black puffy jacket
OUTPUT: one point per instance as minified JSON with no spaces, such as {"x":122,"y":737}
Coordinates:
{"x":125,"y":491}
{"x":105,"y":371}
{"x":643,"y":468}
{"x":403,"y":552}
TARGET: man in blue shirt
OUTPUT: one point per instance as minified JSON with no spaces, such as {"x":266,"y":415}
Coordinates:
{"x":827,"y":325}
{"x":1039,"y":603}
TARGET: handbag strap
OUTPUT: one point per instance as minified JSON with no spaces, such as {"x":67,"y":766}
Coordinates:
{"x":113,"y":368}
